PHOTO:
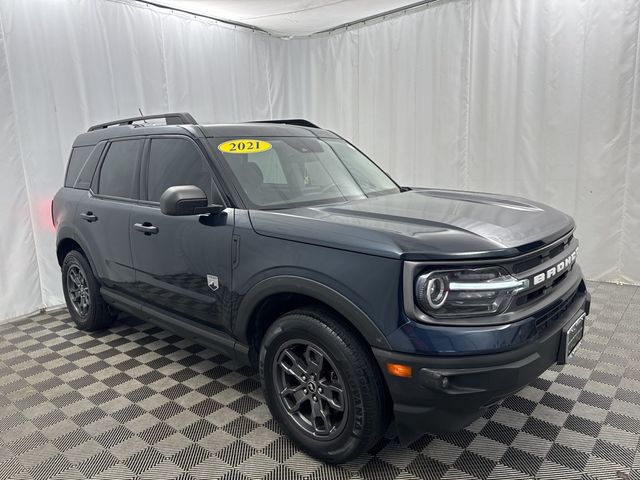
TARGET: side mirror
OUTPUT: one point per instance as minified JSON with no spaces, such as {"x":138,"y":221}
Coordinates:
{"x":186,"y":200}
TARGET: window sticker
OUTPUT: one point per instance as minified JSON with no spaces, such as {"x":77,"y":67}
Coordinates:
{"x":244,"y":145}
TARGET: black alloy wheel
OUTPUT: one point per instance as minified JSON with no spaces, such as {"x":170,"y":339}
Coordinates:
{"x":310,"y":389}
{"x":323,"y":385}
{"x":82,"y":293}
{"x":78,"y":290}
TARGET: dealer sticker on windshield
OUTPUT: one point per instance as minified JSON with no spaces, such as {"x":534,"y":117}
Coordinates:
{"x":244,"y":145}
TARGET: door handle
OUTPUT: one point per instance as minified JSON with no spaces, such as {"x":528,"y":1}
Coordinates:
{"x":146,"y":228}
{"x":89,"y":217}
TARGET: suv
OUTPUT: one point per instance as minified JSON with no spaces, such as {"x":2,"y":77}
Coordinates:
{"x":282,"y":245}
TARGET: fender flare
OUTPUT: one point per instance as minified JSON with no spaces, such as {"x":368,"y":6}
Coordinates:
{"x":67,"y":233}
{"x":311,"y":288}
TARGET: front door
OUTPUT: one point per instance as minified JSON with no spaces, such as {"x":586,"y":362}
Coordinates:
{"x":182,"y":264}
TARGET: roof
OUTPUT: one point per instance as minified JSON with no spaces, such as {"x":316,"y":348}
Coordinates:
{"x":263,"y":130}
{"x":269,"y":128}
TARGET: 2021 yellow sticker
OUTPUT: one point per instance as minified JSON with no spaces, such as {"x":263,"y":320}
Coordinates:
{"x":244,"y":145}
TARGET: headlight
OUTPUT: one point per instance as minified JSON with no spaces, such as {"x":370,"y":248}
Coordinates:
{"x":461,"y":293}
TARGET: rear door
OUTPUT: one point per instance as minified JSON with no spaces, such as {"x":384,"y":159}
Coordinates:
{"x":185,"y":266}
{"x":103,"y":215}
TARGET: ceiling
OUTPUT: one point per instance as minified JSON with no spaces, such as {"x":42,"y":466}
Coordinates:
{"x":288,"y":17}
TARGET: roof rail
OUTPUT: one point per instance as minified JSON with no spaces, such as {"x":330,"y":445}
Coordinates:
{"x":171,"y":119}
{"x":300,"y":122}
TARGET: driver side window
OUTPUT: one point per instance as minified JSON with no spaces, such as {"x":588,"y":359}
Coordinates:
{"x":177,"y":161}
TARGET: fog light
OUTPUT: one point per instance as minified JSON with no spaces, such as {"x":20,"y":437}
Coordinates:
{"x":433,"y":379}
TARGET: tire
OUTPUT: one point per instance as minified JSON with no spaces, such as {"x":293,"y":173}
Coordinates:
{"x":89,"y":312}
{"x":290,"y":353}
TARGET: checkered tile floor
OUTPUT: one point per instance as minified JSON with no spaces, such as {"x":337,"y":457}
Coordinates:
{"x":139,"y":402}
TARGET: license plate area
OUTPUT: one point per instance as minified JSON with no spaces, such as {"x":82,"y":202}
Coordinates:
{"x":572,"y":335}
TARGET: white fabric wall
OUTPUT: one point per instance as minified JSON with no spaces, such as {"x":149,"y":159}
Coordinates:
{"x":19,"y":277}
{"x":535,"y":98}
{"x":65,"y":65}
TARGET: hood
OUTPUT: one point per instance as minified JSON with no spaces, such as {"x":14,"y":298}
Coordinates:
{"x":422,"y":224}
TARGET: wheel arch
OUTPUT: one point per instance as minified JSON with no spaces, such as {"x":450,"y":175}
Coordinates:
{"x":270,"y":298}
{"x":64,"y":246}
{"x":68,"y":242}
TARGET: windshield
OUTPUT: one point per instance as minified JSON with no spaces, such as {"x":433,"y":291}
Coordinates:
{"x":282,"y":172}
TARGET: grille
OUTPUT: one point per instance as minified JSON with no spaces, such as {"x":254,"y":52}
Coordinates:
{"x":530,"y":264}
{"x":530,"y":296}
{"x":542,"y":256}
{"x":555,"y":313}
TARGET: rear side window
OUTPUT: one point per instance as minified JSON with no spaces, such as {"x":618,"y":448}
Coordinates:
{"x":119,"y":172}
{"x":177,"y":161}
{"x":77,"y":160}
{"x":86,"y":174}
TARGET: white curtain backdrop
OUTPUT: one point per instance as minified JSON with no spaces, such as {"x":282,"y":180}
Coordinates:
{"x":68,"y":64}
{"x":534,"y":98}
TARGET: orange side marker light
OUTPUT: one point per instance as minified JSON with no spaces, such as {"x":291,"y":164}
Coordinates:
{"x":399,"y":370}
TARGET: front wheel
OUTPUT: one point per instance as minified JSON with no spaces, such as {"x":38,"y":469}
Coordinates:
{"x":322,"y":385}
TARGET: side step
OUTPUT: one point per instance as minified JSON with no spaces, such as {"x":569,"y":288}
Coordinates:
{"x":208,"y":337}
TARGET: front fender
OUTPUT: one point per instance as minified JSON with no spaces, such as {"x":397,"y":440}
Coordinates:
{"x":311,"y":288}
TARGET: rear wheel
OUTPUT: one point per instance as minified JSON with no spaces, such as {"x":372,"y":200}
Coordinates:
{"x":322,"y":385}
{"x":82,"y":294}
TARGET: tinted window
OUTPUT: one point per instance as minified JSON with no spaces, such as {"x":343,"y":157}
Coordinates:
{"x":119,"y":173}
{"x":175,"y":161}
{"x":78,"y":158}
{"x":86,"y":174}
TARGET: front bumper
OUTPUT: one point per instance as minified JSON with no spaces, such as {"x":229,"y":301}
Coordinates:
{"x":423,"y":403}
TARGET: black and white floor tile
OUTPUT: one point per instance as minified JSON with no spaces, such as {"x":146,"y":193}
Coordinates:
{"x":139,"y":402}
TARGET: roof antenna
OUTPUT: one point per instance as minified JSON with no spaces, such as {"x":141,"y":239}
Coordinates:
{"x":142,"y":115}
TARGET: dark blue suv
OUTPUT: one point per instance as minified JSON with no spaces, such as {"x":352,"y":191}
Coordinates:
{"x":282,"y":245}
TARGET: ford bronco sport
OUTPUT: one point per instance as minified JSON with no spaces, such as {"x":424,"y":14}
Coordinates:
{"x":282,"y":245}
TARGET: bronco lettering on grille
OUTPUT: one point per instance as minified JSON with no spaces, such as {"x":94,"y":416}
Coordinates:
{"x":557,"y":269}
